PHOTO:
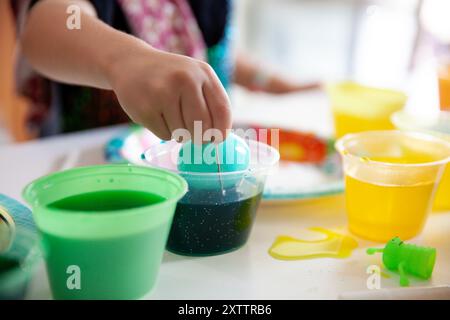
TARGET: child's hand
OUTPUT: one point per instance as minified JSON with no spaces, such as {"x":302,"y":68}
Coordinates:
{"x":252,"y":76}
{"x":279,"y":85}
{"x":158,"y":90}
{"x":161,"y":91}
{"x":165,"y":92}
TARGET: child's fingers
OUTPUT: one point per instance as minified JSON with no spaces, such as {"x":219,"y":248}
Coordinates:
{"x":174,"y":116}
{"x":194,"y":108}
{"x":158,"y":125}
{"x":219,"y":107}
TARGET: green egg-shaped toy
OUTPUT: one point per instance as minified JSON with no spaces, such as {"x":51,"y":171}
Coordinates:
{"x":232,"y":155}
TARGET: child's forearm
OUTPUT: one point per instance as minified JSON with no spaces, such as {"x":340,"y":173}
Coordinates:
{"x":159,"y":90}
{"x":80,"y":56}
{"x":245,"y":71}
{"x":250,"y":75}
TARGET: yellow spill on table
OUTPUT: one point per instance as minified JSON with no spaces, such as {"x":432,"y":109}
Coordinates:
{"x":334,"y":245}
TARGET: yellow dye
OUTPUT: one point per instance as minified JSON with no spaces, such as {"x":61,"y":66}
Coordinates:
{"x":346,"y":123}
{"x":442,"y":198}
{"x":381,"y":212}
{"x":406,"y":156}
{"x":359,"y":108}
{"x":442,"y":201}
{"x":334,"y":245}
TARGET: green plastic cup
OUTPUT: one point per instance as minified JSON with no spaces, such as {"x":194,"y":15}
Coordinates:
{"x":104,"y":228}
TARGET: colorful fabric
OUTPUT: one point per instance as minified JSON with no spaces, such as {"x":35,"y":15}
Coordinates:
{"x":167,"y":25}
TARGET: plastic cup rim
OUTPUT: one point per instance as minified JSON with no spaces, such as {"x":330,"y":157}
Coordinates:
{"x":340,"y":147}
{"x":261,"y":168}
{"x":108,"y":213}
{"x":398,"y":121}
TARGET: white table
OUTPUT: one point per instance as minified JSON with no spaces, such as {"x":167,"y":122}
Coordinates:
{"x":249,"y":273}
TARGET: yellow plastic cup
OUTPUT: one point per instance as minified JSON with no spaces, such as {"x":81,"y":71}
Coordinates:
{"x":390,"y":181}
{"x":437,"y":124}
{"x":358,"y":108}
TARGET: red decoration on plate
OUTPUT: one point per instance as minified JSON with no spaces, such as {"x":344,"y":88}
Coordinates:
{"x":298,"y":146}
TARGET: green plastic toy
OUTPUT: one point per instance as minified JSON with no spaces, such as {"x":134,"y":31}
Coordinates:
{"x":407,"y":259}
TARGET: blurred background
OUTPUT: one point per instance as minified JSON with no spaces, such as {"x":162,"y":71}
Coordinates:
{"x":397,"y":44}
{"x":366,"y":40}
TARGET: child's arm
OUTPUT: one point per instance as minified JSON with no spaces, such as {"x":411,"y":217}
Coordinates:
{"x":251,"y":76}
{"x":159,"y":90}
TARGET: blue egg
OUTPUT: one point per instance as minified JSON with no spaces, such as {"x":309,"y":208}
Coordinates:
{"x":229,"y":156}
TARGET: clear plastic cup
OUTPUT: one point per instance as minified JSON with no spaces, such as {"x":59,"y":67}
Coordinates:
{"x":390,"y":181}
{"x":358,"y":108}
{"x":437,"y":124}
{"x":104,"y":228}
{"x":217,"y":213}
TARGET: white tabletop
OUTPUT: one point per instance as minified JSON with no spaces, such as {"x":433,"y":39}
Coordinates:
{"x":249,"y":273}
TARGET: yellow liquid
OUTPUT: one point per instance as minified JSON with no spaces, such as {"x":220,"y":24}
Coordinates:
{"x":379,"y":213}
{"x":442,"y":201}
{"x":358,"y":108}
{"x":407,"y":157}
{"x":442,"y":198}
{"x":334,"y":245}
{"x":346,"y":123}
